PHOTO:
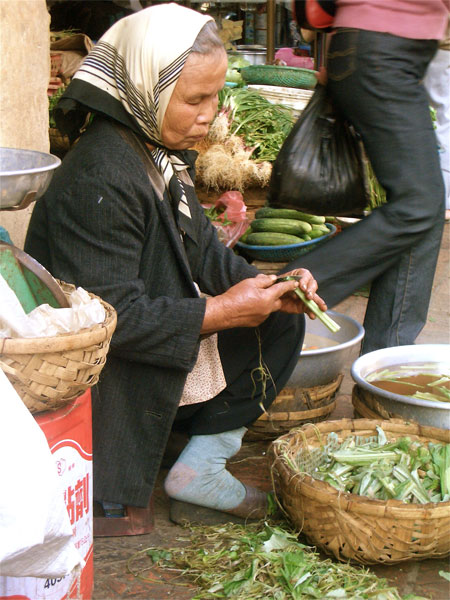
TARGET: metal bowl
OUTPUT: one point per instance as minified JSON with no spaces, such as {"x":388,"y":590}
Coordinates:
{"x":256,"y":55}
{"x":24,"y":176}
{"x":323,"y":365}
{"x":425,"y":412}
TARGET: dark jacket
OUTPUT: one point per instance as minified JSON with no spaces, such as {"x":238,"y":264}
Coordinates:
{"x":101,"y":226}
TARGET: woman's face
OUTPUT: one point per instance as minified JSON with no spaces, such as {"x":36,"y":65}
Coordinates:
{"x":193,"y":104}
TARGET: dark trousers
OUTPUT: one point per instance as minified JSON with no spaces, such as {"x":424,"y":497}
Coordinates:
{"x":375,"y":79}
{"x":239,"y":404}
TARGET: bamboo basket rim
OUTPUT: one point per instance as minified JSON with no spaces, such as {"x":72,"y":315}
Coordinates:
{"x":49,"y":372}
{"x":323,"y":392}
{"x":325,"y":493}
{"x":84,"y":338}
{"x":299,"y":415}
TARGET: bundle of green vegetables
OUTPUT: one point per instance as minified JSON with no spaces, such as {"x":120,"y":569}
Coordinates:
{"x":260,"y":561}
{"x":263,"y":126}
{"x":245,"y":136}
{"x":404,"y":469}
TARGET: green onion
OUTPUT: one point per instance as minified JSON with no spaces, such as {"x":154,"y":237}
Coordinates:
{"x":320,"y":314}
{"x":263,"y":125}
{"x":312,"y":305}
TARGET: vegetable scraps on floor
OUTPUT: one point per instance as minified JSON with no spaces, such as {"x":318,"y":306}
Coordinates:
{"x":257,"y":562}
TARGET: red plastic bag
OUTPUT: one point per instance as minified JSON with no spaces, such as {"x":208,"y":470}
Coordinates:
{"x":314,"y":14}
{"x":228,"y":215}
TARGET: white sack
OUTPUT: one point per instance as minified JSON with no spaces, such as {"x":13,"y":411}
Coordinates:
{"x":44,"y":320}
{"x":35,"y":532}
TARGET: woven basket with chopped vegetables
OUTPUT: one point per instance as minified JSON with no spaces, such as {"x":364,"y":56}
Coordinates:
{"x":367,"y":490}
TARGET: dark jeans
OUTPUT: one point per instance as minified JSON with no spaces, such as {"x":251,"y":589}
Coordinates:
{"x":281,"y":337}
{"x":375,"y":79}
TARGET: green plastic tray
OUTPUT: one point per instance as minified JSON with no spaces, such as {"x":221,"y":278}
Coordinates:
{"x":294,"y":77}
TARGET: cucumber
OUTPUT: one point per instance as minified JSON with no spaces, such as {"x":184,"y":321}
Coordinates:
{"x":268,"y":238}
{"x":322,"y":228}
{"x":244,"y":236}
{"x":287,"y":213}
{"x":291,"y":226}
{"x":316,"y":233}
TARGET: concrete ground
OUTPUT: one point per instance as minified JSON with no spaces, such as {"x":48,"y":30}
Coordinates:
{"x":111,"y":578}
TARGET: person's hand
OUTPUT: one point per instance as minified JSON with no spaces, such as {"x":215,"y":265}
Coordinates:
{"x":291,"y":303}
{"x":247,"y":304}
{"x":322,"y":76}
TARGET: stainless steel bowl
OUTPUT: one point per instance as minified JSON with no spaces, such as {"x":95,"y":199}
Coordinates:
{"x":256,"y":55}
{"x":24,"y":174}
{"x":425,"y":412}
{"x":323,"y":365}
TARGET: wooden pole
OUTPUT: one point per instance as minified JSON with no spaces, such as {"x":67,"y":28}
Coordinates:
{"x":271,"y":10}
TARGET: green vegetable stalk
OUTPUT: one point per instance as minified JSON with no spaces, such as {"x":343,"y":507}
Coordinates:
{"x":402,"y":469}
{"x":322,"y":316}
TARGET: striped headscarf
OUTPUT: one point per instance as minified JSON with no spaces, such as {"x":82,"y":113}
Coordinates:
{"x":130,"y":75}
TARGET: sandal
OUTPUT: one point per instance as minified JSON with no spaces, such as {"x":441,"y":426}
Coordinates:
{"x":254,"y":507}
{"x":111,"y":521}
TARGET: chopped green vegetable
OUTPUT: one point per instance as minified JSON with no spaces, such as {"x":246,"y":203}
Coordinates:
{"x":403,"y":469}
{"x":258,"y":561}
{"x":424,"y":381}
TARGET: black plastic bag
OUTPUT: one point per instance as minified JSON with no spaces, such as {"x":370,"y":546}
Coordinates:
{"x":320,"y":168}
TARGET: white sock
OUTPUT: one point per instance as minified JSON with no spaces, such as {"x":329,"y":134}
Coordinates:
{"x":199,"y":476}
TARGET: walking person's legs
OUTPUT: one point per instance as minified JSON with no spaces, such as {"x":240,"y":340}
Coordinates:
{"x":375,"y":80}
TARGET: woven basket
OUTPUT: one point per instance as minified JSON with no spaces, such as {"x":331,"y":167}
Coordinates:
{"x":367,"y":406}
{"x":47,"y":373}
{"x":294,"y":407}
{"x":352,"y":527}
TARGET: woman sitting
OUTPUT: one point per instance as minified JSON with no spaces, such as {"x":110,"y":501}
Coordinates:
{"x":195,"y":321}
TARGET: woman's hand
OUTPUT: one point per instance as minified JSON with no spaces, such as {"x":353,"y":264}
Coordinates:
{"x":249,"y":303}
{"x":291,"y":303}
